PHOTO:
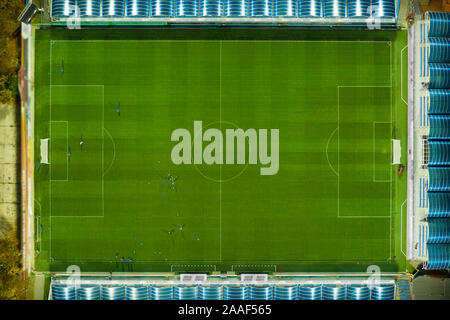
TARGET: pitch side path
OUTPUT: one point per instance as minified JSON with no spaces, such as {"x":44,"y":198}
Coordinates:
{"x":109,"y":100}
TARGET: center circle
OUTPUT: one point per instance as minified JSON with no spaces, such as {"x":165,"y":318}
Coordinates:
{"x":203,"y":174}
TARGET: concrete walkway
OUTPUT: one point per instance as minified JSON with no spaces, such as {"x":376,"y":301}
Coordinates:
{"x":9,"y":166}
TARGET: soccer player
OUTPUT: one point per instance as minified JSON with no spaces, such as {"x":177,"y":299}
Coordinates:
{"x":118,"y":110}
{"x":62,"y":66}
{"x":81,"y":143}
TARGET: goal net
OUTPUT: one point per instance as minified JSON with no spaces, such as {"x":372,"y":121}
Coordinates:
{"x":396,"y":151}
{"x":44,"y":150}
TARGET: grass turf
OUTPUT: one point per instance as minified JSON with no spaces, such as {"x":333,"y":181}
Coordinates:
{"x":335,"y":204}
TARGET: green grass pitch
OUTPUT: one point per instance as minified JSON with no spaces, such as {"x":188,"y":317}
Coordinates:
{"x":336,"y":203}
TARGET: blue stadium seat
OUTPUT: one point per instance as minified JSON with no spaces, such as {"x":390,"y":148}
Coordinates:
{"x":214,"y":292}
{"x":137,"y":8}
{"x":235,"y":292}
{"x":113,"y":8}
{"x":236,"y":8}
{"x":356,"y":292}
{"x":384,"y":292}
{"x":186,"y":293}
{"x":263,"y":292}
{"x":383,"y":8}
{"x":333,"y":292}
{"x":161,"y":293}
{"x":286,"y":292}
{"x":63,"y":8}
{"x":137,"y":293}
{"x":261,"y":8}
{"x":439,"y":101}
{"x":358,"y":8}
{"x":161,"y":8}
{"x":88,"y":292}
{"x":334,"y":8}
{"x":62,"y":292}
{"x":310,"y":8}
{"x":89,"y":8}
{"x":186,"y":8}
{"x":113,"y":293}
{"x":438,"y":231}
{"x":309,"y":292}
{"x":438,"y":256}
{"x":439,"y":205}
{"x":211,"y":8}
{"x":286,"y":8}
{"x":439,"y":24}
{"x":439,"y":127}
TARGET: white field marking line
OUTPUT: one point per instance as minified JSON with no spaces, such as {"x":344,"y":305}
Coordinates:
{"x":401,"y":228}
{"x":390,"y":184}
{"x":166,"y":262}
{"x":392,"y":150}
{"x":326,"y":151}
{"x":50,"y":167}
{"x":339,"y":151}
{"x":114,"y":151}
{"x":103,"y":139}
{"x":401,"y":74}
{"x":374,"y":124}
{"x":186,"y":40}
{"x":188,"y":265}
{"x":103,"y":150}
{"x":38,"y":225}
{"x":67,"y":144}
{"x":220,"y":167}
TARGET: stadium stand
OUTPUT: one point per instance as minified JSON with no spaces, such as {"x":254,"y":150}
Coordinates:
{"x":235,"y":292}
{"x":128,"y":290}
{"x":308,"y":292}
{"x":137,"y":8}
{"x":353,"y":10}
{"x":186,"y":8}
{"x":213,"y":292}
{"x":161,"y":293}
{"x":383,"y":293}
{"x":161,"y":8}
{"x":211,"y":8}
{"x":439,"y":153}
{"x":439,"y":203}
{"x":137,"y":293}
{"x":89,"y":8}
{"x":437,"y":230}
{"x":236,"y":8}
{"x":63,"y":8}
{"x":334,"y":8}
{"x":113,"y":8}
{"x":403,"y":289}
{"x":310,"y":8}
{"x":88,"y":293}
{"x":113,"y":293}
{"x":358,"y":293}
{"x":261,"y":8}
{"x":333,"y":292}
{"x":185,"y":293}
{"x":383,"y":9}
{"x":62,"y":292}
{"x":285,"y":292}
{"x":358,"y":8}
{"x":264,"y":292}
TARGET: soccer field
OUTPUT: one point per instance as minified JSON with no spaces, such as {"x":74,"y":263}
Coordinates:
{"x":336,"y":202}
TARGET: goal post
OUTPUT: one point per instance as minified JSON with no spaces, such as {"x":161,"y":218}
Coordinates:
{"x":44,"y":151}
{"x":396,"y":151}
